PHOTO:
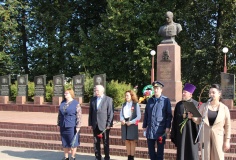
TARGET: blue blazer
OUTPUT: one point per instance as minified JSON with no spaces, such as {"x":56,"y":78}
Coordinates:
{"x":68,"y":118}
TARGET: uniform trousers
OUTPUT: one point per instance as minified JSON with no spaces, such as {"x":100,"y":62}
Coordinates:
{"x":160,"y":149}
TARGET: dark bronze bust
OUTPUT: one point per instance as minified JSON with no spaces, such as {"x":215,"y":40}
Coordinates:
{"x":170,"y":29}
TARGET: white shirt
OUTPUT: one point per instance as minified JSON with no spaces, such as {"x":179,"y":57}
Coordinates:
{"x":127,"y":109}
{"x":99,"y":99}
{"x":127,"y":112}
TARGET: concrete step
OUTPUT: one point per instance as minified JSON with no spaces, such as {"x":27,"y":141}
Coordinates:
{"x":53,"y":128}
{"x":48,"y":137}
{"x":84,"y":138}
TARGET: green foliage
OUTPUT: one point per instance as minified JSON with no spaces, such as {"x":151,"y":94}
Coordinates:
{"x":114,"y":37}
{"x":117,"y":91}
{"x":8,"y":36}
{"x":88,"y":88}
{"x":13,"y":91}
{"x":31,"y":91}
{"x":49,"y":91}
{"x":68,"y":85}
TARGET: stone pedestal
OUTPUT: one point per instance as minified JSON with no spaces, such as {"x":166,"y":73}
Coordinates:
{"x":169,"y":70}
{"x":20,"y":99}
{"x":38,"y":100}
{"x":79,"y":99}
{"x":229,"y":103}
{"x":56,"y":100}
{"x":4,"y":99}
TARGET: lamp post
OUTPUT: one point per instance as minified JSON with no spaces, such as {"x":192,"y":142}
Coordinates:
{"x":225,"y":50}
{"x":152,"y":70}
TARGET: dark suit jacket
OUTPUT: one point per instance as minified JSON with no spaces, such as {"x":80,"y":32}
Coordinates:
{"x":103,"y":116}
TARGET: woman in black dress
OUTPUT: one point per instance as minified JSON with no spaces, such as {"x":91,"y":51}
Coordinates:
{"x":129,"y":116}
{"x":69,"y":120}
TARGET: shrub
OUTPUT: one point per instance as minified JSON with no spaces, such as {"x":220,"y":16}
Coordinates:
{"x":13,"y":91}
{"x":88,"y":88}
{"x":117,"y":91}
{"x":30,"y":91}
{"x":49,"y":91}
{"x":114,"y":89}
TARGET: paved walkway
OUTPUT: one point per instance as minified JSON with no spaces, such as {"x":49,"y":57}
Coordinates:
{"x":15,"y":153}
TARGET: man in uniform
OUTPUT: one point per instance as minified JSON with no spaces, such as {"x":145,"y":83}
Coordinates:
{"x":184,"y":139}
{"x":157,"y":121}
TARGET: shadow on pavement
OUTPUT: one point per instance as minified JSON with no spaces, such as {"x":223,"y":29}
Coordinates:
{"x":42,"y":155}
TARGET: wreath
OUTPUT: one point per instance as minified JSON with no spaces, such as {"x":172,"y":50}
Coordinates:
{"x":147,"y":93}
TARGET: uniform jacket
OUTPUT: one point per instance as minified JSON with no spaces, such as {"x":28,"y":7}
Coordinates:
{"x":103,"y":116}
{"x":68,"y":117}
{"x":157,"y":116}
{"x":217,"y":133}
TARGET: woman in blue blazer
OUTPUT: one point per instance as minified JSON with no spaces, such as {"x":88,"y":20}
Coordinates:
{"x":69,"y":120}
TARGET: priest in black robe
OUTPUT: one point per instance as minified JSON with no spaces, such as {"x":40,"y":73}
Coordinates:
{"x":184,"y":139}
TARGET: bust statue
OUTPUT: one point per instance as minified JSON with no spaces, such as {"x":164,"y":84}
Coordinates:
{"x":170,"y":29}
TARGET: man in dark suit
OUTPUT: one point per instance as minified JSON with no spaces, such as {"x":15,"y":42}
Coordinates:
{"x":101,"y":118}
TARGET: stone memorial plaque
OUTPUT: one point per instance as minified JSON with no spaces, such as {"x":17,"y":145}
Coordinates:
{"x":78,"y":85}
{"x":227,"y":85}
{"x":22,"y":88}
{"x":58,"y":85}
{"x":165,"y":72}
{"x":99,"y":80}
{"x":5,"y":82}
{"x":40,"y":85}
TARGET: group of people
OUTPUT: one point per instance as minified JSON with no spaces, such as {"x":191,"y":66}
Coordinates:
{"x":157,"y":124}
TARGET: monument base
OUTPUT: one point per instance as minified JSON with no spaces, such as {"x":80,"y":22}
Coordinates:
{"x":4,"y":99}
{"x":56,"y":100}
{"x":229,"y":103}
{"x":169,"y":70}
{"x":20,"y":99}
{"x":173,"y":90}
{"x":38,"y":100}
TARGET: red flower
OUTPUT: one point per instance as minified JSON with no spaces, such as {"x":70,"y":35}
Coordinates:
{"x":136,"y":123}
{"x":199,"y":104}
{"x":100,"y":136}
{"x":147,"y":93}
{"x":132,"y":108}
{"x":161,"y":138}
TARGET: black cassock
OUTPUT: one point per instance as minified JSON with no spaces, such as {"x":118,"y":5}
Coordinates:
{"x":187,"y":149}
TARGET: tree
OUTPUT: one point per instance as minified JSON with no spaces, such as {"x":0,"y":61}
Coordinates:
{"x":120,"y":46}
{"x":207,"y":29}
{"x":9,"y":36}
